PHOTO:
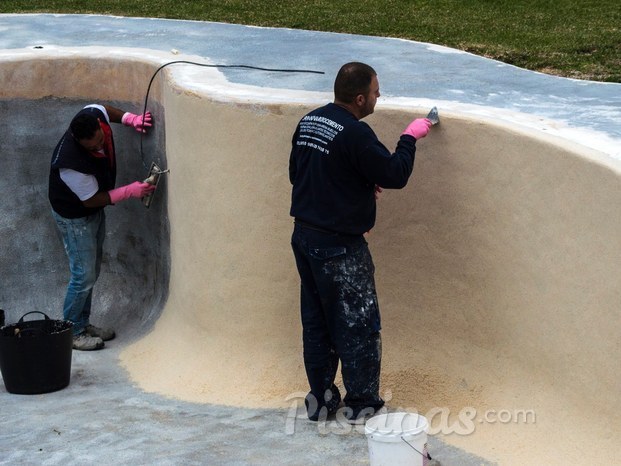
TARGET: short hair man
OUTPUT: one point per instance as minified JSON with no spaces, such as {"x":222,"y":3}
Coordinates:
{"x":337,"y":166}
{"x":81,"y":184}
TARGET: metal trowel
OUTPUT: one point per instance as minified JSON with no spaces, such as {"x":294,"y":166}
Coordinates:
{"x":433,"y":116}
{"x":153,"y":177}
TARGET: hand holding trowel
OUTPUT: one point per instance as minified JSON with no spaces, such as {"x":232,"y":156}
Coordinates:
{"x":420,"y":127}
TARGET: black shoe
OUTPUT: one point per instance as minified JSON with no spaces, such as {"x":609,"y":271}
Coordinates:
{"x":328,"y":406}
{"x":360,"y":415}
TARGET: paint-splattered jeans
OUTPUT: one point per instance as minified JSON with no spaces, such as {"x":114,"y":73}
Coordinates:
{"x":340,"y":319}
{"x":83,"y":240}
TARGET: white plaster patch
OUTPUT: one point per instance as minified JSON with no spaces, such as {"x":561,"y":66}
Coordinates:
{"x":444,"y":50}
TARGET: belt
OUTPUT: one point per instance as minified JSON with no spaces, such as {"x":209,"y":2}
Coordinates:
{"x":310,"y":226}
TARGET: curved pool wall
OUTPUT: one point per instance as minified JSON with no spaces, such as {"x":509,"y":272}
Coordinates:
{"x":497,"y":266}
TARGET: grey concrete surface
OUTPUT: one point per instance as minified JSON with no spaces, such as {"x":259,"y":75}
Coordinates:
{"x":101,"y":417}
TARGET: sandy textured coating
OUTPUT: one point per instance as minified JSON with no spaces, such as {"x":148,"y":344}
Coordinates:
{"x":497,"y":270}
{"x":485,"y":271}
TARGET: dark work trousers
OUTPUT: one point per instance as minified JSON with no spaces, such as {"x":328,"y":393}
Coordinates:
{"x":340,"y":319}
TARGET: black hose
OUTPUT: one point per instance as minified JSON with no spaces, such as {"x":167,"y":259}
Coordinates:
{"x":249,"y":67}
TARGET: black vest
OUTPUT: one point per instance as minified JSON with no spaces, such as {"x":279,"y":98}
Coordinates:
{"x":70,"y":154}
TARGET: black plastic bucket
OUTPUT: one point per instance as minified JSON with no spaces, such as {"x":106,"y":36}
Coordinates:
{"x":35,"y":355}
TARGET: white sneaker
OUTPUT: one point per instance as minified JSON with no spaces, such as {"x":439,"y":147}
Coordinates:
{"x":84,"y":342}
{"x":104,"y":333}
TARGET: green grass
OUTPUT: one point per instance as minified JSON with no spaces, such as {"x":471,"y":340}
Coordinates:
{"x":573,"y":38}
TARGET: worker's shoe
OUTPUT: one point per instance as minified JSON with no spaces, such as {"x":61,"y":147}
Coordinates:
{"x":84,"y":342}
{"x":358,"y":416}
{"x":104,"y":333}
{"x":320,"y":410}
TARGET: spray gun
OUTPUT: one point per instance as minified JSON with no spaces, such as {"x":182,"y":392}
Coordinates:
{"x":153,"y":177}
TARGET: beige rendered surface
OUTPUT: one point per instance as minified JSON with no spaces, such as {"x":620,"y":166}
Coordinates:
{"x":497,"y":269}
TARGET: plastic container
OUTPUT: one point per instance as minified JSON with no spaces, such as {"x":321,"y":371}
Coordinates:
{"x":397,"y":439}
{"x":35,"y":355}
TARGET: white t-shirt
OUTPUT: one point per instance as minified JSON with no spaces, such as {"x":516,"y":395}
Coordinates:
{"x":83,"y":185}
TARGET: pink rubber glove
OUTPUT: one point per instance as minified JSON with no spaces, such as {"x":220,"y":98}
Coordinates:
{"x":418,"y":128}
{"x":129,"y":119}
{"x":135,"y":189}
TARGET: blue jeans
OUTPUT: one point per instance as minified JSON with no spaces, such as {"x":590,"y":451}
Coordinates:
{"x":83,"y":240}
{"x":340,"y":319}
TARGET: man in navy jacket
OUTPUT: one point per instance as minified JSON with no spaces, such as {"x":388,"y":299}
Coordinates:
{"x":337,"y":167}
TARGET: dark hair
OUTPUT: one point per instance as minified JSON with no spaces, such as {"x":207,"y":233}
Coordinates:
{"x":84,"y":126}
{"x":353,"y":79}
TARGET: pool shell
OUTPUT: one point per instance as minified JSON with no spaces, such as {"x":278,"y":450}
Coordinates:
{"x":497,"y":266}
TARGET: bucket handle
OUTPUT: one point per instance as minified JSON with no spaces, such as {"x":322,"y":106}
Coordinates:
{"x":33,"y":312}
{"x":416,"y":450}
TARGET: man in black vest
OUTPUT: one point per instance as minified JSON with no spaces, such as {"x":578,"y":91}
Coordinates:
{"x":81,"y":184}
{"x":337,"y":167}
